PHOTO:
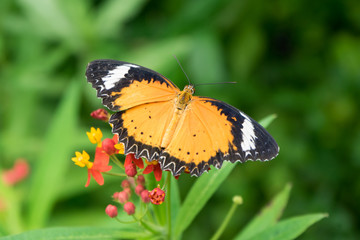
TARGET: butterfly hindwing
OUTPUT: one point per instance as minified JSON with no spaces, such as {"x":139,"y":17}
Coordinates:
{"x":123,"y":85}
{"x":215,"y":132}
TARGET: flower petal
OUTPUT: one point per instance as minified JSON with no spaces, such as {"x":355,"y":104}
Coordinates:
{"x":98,"y":177}
{"x":148,"y":169}
{"x":129,"y":159}
{"x":101,"y":158}
{"x":157,"y":172}
{"x":88,"y":179}
{"x":139,"y":162}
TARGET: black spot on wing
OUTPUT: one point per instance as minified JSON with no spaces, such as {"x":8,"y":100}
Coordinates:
{"x":97,"y":70}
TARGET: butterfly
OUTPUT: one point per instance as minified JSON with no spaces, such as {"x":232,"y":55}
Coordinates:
{"x":155,"y":120}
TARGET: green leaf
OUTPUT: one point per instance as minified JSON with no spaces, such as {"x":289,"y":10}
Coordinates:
{"x":175,"y":200}
{"x":199,"y":194}
{"x":83,"y":233}
{"x":113,"y":14}
{"x":50,"y":169}
{"x":52,"y":19}
{"x":265,"y":122}
{"x":268,"y":215}
{"x":289,"y":228}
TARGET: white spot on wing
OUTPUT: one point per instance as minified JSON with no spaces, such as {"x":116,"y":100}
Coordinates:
{"x":115,"y":75}
{"x":248,"y":138}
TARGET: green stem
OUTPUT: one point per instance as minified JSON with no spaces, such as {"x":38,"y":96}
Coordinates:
{"x":13,"y":223}
{"x":226,"y":220}
{"x":117,"y":161}
{"x":115,"y":174}
{"x":125,"y":222}
{"x":168,"y":203}
{"x":150,"y":227}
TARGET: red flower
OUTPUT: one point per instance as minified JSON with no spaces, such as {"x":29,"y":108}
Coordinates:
{"x":139,"y":188}
{"x":122,"y":196}
{"x":130,"y":170}
{"x":140,"y":180}
{"x":125,"y":184}
{"x":157,"y":196}
{"x":111,"y":211}
{"x":108,"y":145}
{"x":17,"y":173}
{"x":129,"y":208}
{"x":130,"y":158}
{"x":128,"y":191}
{"x":145,"y":196}
{"x":153,"y":166}
{"x":100,"y":165}
{"x":100,"y":114}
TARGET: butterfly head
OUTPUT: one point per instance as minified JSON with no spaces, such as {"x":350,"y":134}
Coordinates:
{"x":184,"y":97}
{"x":189,"y":89}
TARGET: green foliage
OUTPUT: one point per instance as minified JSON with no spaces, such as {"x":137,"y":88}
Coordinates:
{"x":84,"y":233}
{"x":298,"y":59}
{"x":265,"y":226}
{"x":268,"y":216}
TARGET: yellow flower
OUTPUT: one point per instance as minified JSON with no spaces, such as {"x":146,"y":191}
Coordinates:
{"x":82,"y":159}
{"x":95,"y":136}
{"x":120,"y":147}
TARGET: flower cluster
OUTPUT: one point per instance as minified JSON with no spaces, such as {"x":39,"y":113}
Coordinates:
{"x":101,"y":159}
{"x":133,"y":170}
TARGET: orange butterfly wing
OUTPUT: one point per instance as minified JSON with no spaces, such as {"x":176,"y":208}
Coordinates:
{"x":124,"y":85}
{"x":142,"y":128}
{"x":210,"y":132}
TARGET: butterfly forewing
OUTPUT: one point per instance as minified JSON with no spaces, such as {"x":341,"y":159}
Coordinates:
{"x":123,"y":85}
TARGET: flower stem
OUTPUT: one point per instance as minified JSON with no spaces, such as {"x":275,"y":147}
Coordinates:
{"x":148,"y":226}
{"x":237,"y":200}
{"x":115,"y":174}
{"x":14,"y":223}
{"x":117,"y":161}
{"x":168,"y":203}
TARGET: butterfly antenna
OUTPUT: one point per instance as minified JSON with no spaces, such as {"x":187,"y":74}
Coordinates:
{"x":214,"y":83}
{"x":183,"y":70}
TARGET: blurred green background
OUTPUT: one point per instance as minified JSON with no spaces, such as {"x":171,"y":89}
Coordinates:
{"x":298,"y":59}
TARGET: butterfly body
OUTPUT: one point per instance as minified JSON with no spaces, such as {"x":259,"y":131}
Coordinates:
{"x":155,"y":120}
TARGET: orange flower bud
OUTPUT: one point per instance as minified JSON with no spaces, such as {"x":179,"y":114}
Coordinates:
{"x":130,"y":170}
{"x":139,"y":188}
{"x":140,"y":180}
{"x":100,"y":114}
{"x":125,"y":184}
{"x":122,"y":197}
{"x":111,"y":211}
{"x":129,"y":208}
{"x":128,"y":191}
{"x":108,"y":146}
{"x":145,"y":196}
